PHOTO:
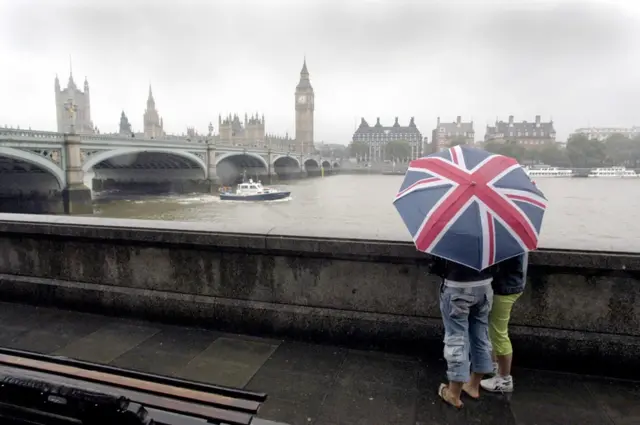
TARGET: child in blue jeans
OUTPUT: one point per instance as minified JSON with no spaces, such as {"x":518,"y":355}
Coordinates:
{"x":465,"y":303}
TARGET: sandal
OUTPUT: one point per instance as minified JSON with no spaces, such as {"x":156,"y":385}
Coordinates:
{"x":464,"y":390}
{"x":445,"y":395}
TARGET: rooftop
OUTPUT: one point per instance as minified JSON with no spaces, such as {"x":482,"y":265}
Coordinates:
{"x":364,"y":127}
{"x":316,"y":384}
{"x":457,"y":126}
{"x":523,"y":127}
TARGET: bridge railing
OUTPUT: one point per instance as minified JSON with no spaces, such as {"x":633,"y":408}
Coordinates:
{"x":30,"y":135}
{"x":10,"y":134}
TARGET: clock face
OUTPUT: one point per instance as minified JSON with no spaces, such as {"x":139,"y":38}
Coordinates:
{"x":302,"y":99}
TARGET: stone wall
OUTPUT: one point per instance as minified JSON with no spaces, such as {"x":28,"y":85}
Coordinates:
{"x":579,"y":307}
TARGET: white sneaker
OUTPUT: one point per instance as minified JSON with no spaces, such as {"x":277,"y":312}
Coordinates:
{"x":498,"y":384}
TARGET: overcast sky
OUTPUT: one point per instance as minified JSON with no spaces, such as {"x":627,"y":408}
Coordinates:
{"x":575,"y":62}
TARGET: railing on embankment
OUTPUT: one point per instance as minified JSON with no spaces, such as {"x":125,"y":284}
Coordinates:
{"x":580,"y":308}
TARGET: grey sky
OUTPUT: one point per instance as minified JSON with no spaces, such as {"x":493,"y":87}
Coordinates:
{"x":574,"y":61}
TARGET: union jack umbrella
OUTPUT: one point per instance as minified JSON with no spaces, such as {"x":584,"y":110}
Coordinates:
{"x":470,"y":206}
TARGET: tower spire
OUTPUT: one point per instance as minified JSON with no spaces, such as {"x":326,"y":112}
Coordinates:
{"x":71,"y":83}
{"x":304,"y":82}
{"x":151,"y":103}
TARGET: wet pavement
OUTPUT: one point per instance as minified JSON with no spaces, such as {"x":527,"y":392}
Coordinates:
{"x":316,"y":384}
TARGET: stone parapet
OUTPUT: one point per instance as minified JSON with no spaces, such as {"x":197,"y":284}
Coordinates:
{"x":579,"y":306}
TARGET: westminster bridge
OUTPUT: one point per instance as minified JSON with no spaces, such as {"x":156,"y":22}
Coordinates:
{"x":47,"y":172}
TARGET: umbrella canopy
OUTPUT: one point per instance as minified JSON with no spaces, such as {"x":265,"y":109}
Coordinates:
{"x":470,"y":206}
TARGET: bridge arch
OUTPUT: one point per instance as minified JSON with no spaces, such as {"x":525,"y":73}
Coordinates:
{"x":232,"y":166}
{"x":249,"y":154}
{"x":336,"y":165}
{"x":36,"y":160}
{"x":326,"y":165}
{"x":110,"y":154}
{"x":312,"y":167}
{"x":281,"y":157}
{"x":311,"y":164}
{"x":286,"y":167}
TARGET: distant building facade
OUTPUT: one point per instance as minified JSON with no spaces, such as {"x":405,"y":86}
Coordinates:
{"x":378,"y":136}
{"x":153,"y":124}
{"x":80,"y":100}
{"x":250,"y":132}
{"x":603,"y":133}
{"x":447,"y":132}
{"x":528,"y":134}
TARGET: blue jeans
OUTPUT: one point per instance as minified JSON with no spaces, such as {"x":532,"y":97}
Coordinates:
{"x":465,"y":313}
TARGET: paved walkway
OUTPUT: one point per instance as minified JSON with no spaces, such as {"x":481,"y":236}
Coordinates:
{"x":316,"y":384}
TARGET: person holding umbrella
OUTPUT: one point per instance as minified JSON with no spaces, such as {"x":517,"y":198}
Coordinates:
{"x":465,"y":302}
{"x":470,"y":209}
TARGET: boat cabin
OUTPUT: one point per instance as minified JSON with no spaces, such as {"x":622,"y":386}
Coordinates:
{"x":250,"y":188}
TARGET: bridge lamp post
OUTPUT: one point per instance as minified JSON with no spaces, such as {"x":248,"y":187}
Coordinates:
{"x":269,"y":164}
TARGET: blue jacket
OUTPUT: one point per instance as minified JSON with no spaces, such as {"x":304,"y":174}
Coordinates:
{"x":511,"y":276}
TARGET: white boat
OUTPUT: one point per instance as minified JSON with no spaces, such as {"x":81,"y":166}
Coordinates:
{"x":548,"y":172}
{"x":253,"y":191}
{"x":619,"y":172}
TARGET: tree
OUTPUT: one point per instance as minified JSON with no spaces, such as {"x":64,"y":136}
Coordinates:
{"x":635,"y":153}
{"x":585,"y":153}
{"x":457,"y":140}
{"x":332,"y":152}
{"x":358,"y":149}
{"x":509,"y":148}
{"x":620,"y":150}
{"x":552,"y":154}
{"x":398,"y":149}
{"x":339,"y":152}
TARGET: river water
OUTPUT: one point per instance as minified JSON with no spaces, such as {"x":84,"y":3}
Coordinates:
{"x":593,"y":214}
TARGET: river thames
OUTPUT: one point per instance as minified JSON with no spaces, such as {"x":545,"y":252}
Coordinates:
{"x":593,"y":214}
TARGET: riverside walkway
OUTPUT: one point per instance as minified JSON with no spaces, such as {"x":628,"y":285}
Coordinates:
{"x":316,"y":384}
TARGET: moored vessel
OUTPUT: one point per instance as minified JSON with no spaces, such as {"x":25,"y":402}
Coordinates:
{"x":549,"y":172}
{"x":619,"y":172}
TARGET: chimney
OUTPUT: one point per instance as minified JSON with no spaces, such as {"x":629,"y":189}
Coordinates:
{"x":537,"y":119}
{"x":510,"y":119}
{"x":458,"y":120}
{"x":396,"y":123}
{"x":378,"y":121}
{"x":438,"y":122}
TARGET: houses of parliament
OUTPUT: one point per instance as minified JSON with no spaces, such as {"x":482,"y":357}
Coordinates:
{"x":249,"y":131}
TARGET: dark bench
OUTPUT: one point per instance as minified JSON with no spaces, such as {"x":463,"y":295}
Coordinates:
{"x":55,"y":388}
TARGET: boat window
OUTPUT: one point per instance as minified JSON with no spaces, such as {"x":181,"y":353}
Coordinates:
{"x":252,"y":187}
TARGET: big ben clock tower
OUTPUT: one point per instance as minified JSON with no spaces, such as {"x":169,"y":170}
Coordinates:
{"x":304,"y":113}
